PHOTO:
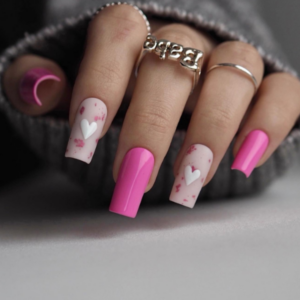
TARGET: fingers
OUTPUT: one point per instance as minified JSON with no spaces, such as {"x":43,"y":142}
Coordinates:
{"x":223,"y":101}
{"x":114,"y":40}
{"x":272,"y":117}
{"x":161,"y":91}
{"x":36,"y":85}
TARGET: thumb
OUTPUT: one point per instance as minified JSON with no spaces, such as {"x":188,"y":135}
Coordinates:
{"x":36,"y":85}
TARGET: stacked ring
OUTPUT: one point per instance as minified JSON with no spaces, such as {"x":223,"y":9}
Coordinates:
{"x":244,"y":70}
{"x":189,"y":58}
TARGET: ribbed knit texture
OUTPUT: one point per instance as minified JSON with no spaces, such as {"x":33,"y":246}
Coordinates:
{"x":48,"y":136}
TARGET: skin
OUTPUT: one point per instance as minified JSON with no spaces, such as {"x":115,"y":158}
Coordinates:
{"x":222,"y":105}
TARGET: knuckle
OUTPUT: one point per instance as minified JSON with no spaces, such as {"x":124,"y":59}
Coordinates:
{"x":221,"y":121}
{"x":155,"y":118}
{"x":278,"y":117}
{"x":245,"y":52}
{"x":124,"y":12}
{"x":282,"y":79}
{"x":123,"y":20}
{"x":123,"y":33}
{"x":283,"y":83}
{"x":108,"y":72}
{"x":108,"y":75}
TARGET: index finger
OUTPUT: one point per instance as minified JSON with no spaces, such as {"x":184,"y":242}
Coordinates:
{"x":114,"y":39}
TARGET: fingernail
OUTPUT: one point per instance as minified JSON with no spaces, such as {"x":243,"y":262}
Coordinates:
{"x":251,"y":151}
{"x":191,"y":175}
{"x":86,"y":130}
{"x":30,"y":82}
{"x":133,"y":178}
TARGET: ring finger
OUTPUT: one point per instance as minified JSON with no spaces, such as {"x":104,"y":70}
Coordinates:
{"x":223,"y":101}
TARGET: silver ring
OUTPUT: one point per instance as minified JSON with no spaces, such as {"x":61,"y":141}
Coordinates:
{"x":189,"y":58}
{"x":120,"y":3}
{"x":246,"y":71}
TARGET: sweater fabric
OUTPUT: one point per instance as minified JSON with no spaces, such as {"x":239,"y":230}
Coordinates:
{"x":63,"y":42}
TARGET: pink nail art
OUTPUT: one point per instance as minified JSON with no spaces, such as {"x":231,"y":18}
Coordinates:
{"x":133,"y":178}
{"x":251,"y":151}
{"x":87,"y":129}
{"x":30,"y":82}
{"x":191,"y":176}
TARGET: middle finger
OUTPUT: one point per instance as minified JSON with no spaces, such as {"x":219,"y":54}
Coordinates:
{"x":161,"y":92}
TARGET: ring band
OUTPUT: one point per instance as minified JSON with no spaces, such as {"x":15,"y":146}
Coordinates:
{"x":246,"y":71}
{"x":189,"y":58}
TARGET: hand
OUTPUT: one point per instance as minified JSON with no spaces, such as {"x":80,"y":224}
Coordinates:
{"x":222,"y":106}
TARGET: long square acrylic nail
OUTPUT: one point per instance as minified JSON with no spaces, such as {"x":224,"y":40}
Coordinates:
{"x":191,"y":175}
{"x":133,"y":178}
{"x":250,"y":152}
{"x":86,"y":130}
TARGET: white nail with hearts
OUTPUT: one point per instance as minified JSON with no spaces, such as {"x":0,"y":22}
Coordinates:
{"x":87,"y":129}
{"x":191,"y":176}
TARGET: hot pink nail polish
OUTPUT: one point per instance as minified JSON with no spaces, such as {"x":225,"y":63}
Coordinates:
{"x":191,"y":175}
{"x":133,"y":178}
{"x":30,"y":82}
{"x":87,"y":129}
{"x":251,"y":151}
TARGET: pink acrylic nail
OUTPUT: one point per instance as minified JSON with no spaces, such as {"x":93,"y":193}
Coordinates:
{"x":251,"y":151}
{"x":87,"y":129}
{"x":30,"y":82}
{"x":191,"y":175}
{"x":133,"y":178}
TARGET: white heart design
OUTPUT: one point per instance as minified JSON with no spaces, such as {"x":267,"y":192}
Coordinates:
{"x":190,"y":176}
{"x":88,"y":129}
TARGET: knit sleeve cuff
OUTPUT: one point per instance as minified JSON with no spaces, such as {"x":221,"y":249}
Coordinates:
{"x":48,"y":135}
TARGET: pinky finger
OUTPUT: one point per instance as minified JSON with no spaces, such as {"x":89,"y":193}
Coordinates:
{"x":269,"y":122}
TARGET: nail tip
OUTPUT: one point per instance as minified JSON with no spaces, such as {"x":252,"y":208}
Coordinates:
{"x":38,"y":82}
{"x":29,"y":84}
{"x":77,"y":158}
{"x":48,"y":77}
{"x":56,"y":78}
{"x":247,"y":174}
{"x":194,"y":168}
{"x":182,"y":204}
{"x":132,"y":216}
{"x":133,"y":177}
{"x":250,"y":152}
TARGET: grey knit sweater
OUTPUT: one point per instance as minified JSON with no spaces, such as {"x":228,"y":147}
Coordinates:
{"x":63,"y":42}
